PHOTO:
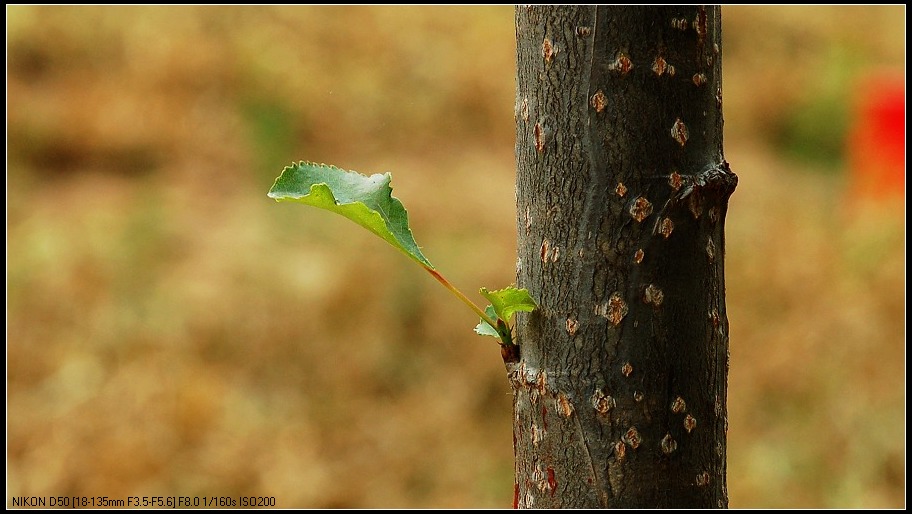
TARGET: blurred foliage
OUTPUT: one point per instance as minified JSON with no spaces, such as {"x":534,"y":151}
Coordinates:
{"x":815,"y":128}
{"x":152,"y":350}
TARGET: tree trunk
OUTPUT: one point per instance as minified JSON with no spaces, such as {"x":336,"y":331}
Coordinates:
{"x":620,"y":380}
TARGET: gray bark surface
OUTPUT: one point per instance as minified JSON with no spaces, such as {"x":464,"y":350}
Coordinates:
{"x":622,"y":190}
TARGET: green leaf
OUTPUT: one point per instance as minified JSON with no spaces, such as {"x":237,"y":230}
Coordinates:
{"x":484,"y":328}
{"x":508,"y":300}
{"x":367,"y":201}
{"x":504,"y":302}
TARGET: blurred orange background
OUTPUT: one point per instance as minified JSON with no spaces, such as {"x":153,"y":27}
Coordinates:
{"x":172,"y":331}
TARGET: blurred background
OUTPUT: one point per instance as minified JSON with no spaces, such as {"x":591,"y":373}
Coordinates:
{"x":172,"y":331}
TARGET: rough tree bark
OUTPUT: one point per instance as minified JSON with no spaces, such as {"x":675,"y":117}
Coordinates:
{"x":622,"y":189}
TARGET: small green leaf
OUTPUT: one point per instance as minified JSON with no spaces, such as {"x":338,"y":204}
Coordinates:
{"x":367,"y":201}
{"x":484,"y":328}
{"x":504,"y":302}
{"x":508,"y":300}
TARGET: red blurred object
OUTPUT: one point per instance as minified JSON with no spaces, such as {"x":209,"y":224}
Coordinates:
{"x":877,"y":139}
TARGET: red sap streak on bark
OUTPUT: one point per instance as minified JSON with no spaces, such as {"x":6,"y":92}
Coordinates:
{"x":552,"y":482}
